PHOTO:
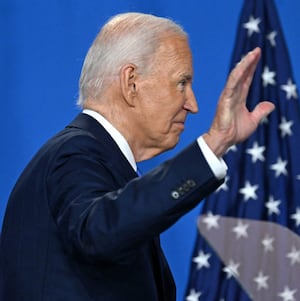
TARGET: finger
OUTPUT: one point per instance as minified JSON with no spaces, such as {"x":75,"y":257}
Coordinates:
{"x":261,"y":110}
{"x":244,"y":70}
{"x":253,"y":66}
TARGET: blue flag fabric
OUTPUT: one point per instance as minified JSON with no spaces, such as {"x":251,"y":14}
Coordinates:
{"x":263,"y":180}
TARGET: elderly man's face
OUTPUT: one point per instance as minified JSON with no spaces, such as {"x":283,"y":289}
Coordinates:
{"x":166,"y":95}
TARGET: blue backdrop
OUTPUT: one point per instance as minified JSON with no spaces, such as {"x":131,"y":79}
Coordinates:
{"x":42,"y":47}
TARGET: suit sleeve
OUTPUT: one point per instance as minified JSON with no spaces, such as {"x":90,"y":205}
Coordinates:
{"x":103,"y":221}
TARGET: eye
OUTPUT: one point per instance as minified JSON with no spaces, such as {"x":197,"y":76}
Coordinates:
{"x":182,"y":84}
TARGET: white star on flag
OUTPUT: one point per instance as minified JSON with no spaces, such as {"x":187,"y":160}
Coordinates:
{"x":296,"y":216}
{"x":279,"y":167}
{"x":285,"y":127}
{"x":265,"y":120}
{"x":202,"y":260}
{"x":267,"y":242}
{"x":252,"y":25}
{"x":268,"y":77}
{"x":232,"y":269}
{"x":271,"y":37}
{"x":241,"y":230}
{"x":193,"y":296}
{"x":290,"y":89}
{"x":287,"y":294}
{"x":256,"y":152}
{"x":294,"y":256}
{"x":249,"y":191}
{"x":211,"y":221}
{"x":272,"y":205}
{"x":261,"y":281}
{"x":232,"y":148}
{"x":224,"y":186}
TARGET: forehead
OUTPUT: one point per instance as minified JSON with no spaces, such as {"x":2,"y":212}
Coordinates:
{"x":174,"y":56}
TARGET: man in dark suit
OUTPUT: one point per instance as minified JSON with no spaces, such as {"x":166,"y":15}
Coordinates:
{"x":80,"y":224}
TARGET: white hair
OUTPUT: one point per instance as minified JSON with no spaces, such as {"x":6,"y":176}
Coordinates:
{"x":125,"y":38}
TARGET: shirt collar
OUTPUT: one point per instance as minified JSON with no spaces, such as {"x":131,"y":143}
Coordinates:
{"x":116,"y":135}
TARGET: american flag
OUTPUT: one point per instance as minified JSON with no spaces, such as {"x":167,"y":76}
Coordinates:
{"x":248,"y":247}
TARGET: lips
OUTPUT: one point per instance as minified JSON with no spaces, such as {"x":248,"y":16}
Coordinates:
{"x":180,"y":124}
{"x":180,"y":121}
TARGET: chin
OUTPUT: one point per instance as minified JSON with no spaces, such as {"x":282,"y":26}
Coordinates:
{"x":172,"y":143}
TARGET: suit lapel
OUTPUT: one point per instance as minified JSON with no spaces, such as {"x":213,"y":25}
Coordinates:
{"x":111,"y":153}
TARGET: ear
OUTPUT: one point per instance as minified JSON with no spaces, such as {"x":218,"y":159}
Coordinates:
{"x":128,"y":77}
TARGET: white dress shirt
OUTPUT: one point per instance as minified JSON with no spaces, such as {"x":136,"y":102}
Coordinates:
{"x":217,"y":165}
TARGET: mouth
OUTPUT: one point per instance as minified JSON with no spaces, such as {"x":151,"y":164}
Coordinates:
{"x":179,"y":124}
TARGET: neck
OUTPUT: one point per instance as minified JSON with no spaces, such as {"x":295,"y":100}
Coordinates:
{"x":123,"y":118}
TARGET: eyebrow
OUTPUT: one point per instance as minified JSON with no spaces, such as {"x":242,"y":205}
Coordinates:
{"x":188,"y":77}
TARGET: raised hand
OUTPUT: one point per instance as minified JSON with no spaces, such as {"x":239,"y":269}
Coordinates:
{"x":233,"y":122}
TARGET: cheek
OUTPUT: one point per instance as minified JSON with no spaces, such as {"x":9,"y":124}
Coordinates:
{"x":160,"y":123}
{"x":166,"y":119}
{"x":157,"y":125}
{"x":159,"y":110}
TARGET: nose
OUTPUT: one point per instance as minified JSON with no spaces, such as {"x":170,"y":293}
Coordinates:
{"x":191,"y":102}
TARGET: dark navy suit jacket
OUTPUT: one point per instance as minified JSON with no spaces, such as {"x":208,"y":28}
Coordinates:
{"x":81,"y":226}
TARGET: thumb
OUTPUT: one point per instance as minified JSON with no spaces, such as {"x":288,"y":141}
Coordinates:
{"x":262,"y":110}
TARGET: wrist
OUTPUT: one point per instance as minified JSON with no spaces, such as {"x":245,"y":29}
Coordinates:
{"x":216,"y":143}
